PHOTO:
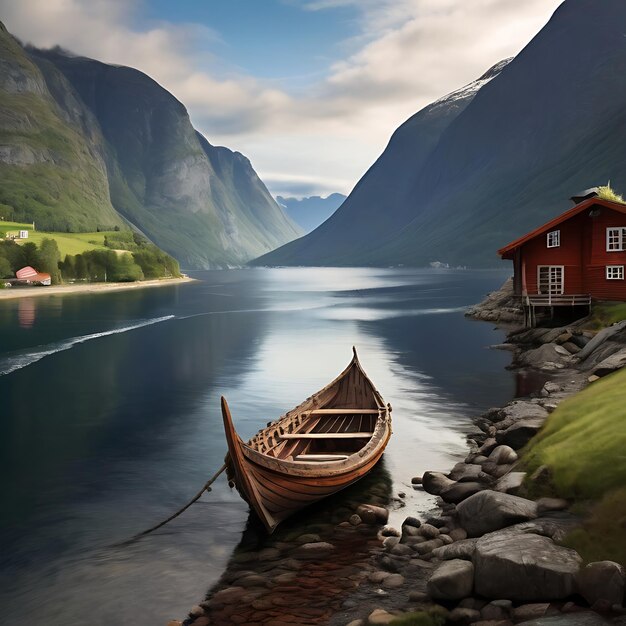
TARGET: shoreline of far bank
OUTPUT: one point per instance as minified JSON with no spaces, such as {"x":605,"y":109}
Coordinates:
{"x":14,"y":293}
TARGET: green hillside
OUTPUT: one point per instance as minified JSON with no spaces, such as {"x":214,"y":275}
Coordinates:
{"x":584,"y":445}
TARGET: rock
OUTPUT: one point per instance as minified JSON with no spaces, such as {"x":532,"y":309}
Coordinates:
{"x":610,"y":364}
{"x":196,"y":611}
{"x":427,"y":546}
{"x":479,"y":459}
{"x":282,"y":579}
{"x":390,"y":542}
{"x":494,"y":611}
{"x":401,"y":494}
{"x":378,"y":576}
{"x":355,"y":520}
{"x":602,"y":580}
{"x":460,"y":491}
{"x":458,"y":534}
{"x":379,"y":616}
{"x":409,"y":531}
{"x":600,"y":338}
{"x":464,"y":616}
{"x":401,"y":549}
{"x":428,"y":531}
{"x":418,"y":596}
{"x":416,"y":480}
{"x":268,"y":554}
{"x":524,"y":567}
{"x":571,"y":347}
{"x":371,"y":514}
{"x":544,"y":505}
{"x":487,"y":511}
{"x":466,"y":472}
{"x":488,"y":446}
{"x":521,"y":409}
{"x":529,"y":611}
{"x":317,"y":550}
{"x":564,"y":337}
{"x":451,"y":580}
{"x":511,"y":482}
{"x":519,"y":434}
{"x":393,"y":581}
{"x":436,"y":482}
{"x":174,"y":622}
{"x":550,"y":388}
{"x":390,"y":531}
{"x":503,"y":455}
{"x":586,"y":618}
{"x":412,"y":521}
{"x":229,"y":595}
{"x":463,"y":549}
{"x":356,"y":622}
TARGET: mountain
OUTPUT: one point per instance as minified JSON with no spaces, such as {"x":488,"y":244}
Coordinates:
{"x":474,"y":172}
{"x":310,"y":212}
{"x":86,"y":145}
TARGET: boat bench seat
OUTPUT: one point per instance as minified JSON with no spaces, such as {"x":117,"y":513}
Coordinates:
{"x":326,"y":435}
{"x":320,"y":457}
{"x":342,"y":412}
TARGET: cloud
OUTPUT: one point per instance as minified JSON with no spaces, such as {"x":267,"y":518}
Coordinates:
{"x":407,"y":54}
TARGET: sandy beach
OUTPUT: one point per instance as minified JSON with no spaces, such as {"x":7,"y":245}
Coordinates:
{"x":88,"y":288}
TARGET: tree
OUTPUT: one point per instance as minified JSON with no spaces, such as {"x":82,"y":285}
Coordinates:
{"x":49,"y":257}
{"x":30,"y":254}
{"x":5,"y":268}
{"x":68,"y":267}
{"x":80,"y":267}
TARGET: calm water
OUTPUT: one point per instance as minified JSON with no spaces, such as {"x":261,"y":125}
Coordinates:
{"x":110,"y":417}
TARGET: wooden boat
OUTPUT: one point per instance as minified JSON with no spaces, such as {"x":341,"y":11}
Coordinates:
{"x":318,"y":448}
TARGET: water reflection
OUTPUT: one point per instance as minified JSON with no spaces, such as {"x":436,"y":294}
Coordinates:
{"x":107,"y":436}
{"x":26,"y":312}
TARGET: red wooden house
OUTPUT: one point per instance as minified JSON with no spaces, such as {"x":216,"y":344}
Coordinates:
{"x":574,"y":258}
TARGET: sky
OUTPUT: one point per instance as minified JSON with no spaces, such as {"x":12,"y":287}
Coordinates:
{"x":309,"y":90}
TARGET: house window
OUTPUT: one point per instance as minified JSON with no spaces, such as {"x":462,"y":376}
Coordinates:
{"x":616,"y":239}
{"x":554,"y":239}
{"x":615,"y":272}
{"x":550,"y":279}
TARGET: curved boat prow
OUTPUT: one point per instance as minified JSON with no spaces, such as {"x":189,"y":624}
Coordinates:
{"x":238,"y":466}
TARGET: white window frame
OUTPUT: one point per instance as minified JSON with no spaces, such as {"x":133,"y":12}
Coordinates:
{"x":553,"y":239}
{"x":551,"y":267}
{"x":616,"y":239}
{"x":615,"y":272}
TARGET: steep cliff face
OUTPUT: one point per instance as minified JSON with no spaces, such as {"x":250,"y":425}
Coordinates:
{"x":51,"y":151}
{"x":203,"y":204}
{"x":85,"y":145}
{"x":506,"y":160}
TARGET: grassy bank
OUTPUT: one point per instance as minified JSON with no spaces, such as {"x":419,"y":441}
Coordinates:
{"x":584,"y":445}
{"x":606,"y":313}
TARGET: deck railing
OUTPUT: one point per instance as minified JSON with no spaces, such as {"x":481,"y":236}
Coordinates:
{"x":557,"y":300}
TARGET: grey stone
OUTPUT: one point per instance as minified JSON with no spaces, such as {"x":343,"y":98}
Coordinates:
{"x":412,"y":521}
{"x":418,"y":596}
{"x":610,"y":364}
{"x":429,"y":531}
{"x":602,"y":580}
{"x":427,"y":546}
{"x":519,"y":434}
{"x":354,"y":520}
{"x":503,"y":455}
{"x":378,"y":577}
{"x":571,"y":347}
{"x":487,"y":511}
{"x":511,"y":482}
{"x":586,"y":618}
{"x":460,"y":491}
{"x":401,"y":549}
{"x":416,"y":480}
{"x":435,"y":482}
{"x":529,"y":611}
{"x":457,"y":534}
{"x":488,"y":446}
{"x":464,"y":616}
{"x":451,"y":580}
{"x":600,"y":338}
{"x":308,"y":538}
{"x":466,"y":472}
{"x":393,"y":581}
{"x":463,"y":549}
{"x":372,"y":514}
{"x":379,"y":616}
{"x":493,"y":611}
{"x":524,"y":567}
{"x":522,"y":409}
{"x":390,"y":531}
{"x":544,"y":505}
{"x":316,"y":550}
{"x":390,"y":542}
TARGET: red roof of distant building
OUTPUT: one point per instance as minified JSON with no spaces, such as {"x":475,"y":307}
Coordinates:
{"x":26,"y":272}
{"x":617,"y":206}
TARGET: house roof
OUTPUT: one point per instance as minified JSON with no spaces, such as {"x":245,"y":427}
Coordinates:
{"x":506,"y":251}
{"x":32,"y":275}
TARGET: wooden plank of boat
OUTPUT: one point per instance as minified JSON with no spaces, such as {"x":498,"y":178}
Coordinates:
{"x":318,"y":448}
{"x":325,"y":435}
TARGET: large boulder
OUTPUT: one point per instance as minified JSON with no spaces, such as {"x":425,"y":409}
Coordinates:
{"x":521,"y":432}
{"x":436,"y":482}
{"x":460,"y":491}
{"x":610,"y":364}
{"x":511,"y":482}
{"x":463,"y":549}
{"x":487,"y":511}
{"x":602,"y":580}
{"x":524,"y":567}
{"x":503,"y":455}
{"x":451,"y":580}
{"x":521,"y":409}
{"x":600,"y":338}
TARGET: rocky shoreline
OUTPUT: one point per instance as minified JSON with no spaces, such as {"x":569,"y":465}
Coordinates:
{"x":488,"y":555}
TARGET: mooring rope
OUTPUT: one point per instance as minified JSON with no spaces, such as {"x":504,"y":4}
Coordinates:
{"x":207,"y":487}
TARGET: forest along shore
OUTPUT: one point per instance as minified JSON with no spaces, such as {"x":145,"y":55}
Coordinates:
{"x":498,"y":549}
{"x":88,"y":288}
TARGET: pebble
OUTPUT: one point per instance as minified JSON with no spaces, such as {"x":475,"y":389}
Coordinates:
{"x":416,"y":480}
{"x":379,"y":616}
{"x":393,"y":581}
{"x":355,"y":520}
{"x":418,"y":596}
{"x":429,"y":531}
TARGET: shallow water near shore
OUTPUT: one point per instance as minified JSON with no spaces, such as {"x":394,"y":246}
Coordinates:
{"x":110,"y":417}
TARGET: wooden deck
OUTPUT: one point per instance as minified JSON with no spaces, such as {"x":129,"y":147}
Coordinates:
{"x":530,"y":302}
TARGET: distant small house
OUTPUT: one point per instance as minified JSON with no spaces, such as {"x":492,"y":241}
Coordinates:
{"x":16,"y":234}
{"x":577,"y":256}
{"x":23,"y":234}
{"x":30,"y":276}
